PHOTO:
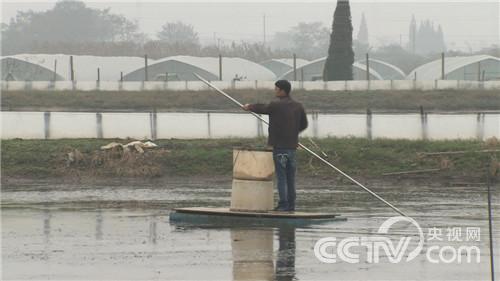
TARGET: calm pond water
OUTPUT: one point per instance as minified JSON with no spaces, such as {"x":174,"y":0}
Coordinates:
{"x":122,"y":231}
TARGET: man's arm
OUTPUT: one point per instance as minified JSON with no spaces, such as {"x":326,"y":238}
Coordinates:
{"x":258,"y":108}
{"x":303,"y":120}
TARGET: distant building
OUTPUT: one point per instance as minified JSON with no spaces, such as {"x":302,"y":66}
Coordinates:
{"x":425,"y":39}
{"x":480,"y":67}
{"x":363,"y":32}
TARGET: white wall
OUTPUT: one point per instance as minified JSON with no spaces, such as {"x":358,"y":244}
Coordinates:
{"x":269,"y":85}
{"x":54,"y":125}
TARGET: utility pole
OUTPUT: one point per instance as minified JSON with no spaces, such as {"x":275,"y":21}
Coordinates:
{"x":478,"y":71}
{"x":220,"y":67}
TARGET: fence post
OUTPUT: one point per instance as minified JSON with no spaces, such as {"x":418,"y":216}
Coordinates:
{"x":442,"y":66}
{"x":302,"y":78}
{"x":98,"y":118}
{"x":260,"y":130}
{"x":423,"y":122}
{"x":146,"y":76}
{"x":55,"y":70}
{"x":480,"y":126}
{"x":98,"y":82}
{"x":120,"y":83}
{"x":220,"y":67}
{"x":315,"y":124}
{"x":46,"y":122}
{"x":209,"y":127}
{"x":368,"y":124}
{"x":478,"y":71}
{"x":294,"y":67}
{"x":71,"y":71}
{"x":367,"y":67}
{"x":153,"y":121}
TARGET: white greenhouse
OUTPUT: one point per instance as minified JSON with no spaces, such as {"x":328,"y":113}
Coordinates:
{"x":477,"y":68}
{"x":85,"y":67}
{"x":281,"y":66}
{"x":14,"y":69}
{"x":182,"y":68}
{"x":313,"y":71}
{"x":386,"y":70}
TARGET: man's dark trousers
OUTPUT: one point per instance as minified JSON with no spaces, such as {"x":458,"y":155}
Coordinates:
{"x":285,"y":167}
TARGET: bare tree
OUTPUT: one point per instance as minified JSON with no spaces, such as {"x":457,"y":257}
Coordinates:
{"x":178,"y":33}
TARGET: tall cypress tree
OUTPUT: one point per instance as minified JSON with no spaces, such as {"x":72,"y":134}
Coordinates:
{"x":363,"y":31}
{"x":412,"y":44}
{"x":338,"y":65}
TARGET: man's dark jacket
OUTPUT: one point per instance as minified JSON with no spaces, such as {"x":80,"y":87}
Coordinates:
{"x":287,"y":119}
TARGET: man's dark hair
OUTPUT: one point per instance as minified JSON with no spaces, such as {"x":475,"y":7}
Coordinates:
{"x":284,"y":85}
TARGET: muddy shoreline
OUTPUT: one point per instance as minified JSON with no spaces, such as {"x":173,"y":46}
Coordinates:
{"x":14,"y":182}
{"x":392,"y":162}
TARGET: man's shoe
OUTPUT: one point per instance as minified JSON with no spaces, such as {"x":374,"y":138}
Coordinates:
{"x":280,"y":209}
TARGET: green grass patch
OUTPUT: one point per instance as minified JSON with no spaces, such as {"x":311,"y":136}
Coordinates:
{"x":325,"y":101}
{"x":355,"y":156}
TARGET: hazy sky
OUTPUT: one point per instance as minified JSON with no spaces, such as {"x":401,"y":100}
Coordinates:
{"x":466,"y":24}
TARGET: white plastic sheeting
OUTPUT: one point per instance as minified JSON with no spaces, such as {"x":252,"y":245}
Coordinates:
{"x":85,"y":67}
{"x":183,"y":67}
{"x":452,"y":66}
{"x":281,"y":66}
{"x":313,"y":71}
{"x":14,"y":69}
{"x":386,"y":70}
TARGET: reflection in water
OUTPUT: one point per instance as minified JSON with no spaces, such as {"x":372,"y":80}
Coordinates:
{"x":98,"y":225}
{"x":46,"y":224}
{"x":152,"y":230}
{"x":285,"y":262}
{"x":253,"y":254}
{"x":51,"y":235}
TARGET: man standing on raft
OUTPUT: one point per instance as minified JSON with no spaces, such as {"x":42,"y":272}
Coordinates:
{"x":287,"y":119}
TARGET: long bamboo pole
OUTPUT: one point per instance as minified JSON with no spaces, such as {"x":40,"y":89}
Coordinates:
{"x":306,"y":149}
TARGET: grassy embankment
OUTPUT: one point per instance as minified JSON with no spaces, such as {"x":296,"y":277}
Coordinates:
{"x":324,"y":101}
{"x":361,"y":158}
